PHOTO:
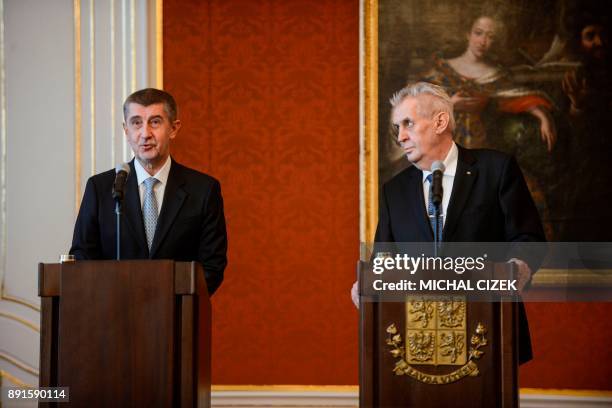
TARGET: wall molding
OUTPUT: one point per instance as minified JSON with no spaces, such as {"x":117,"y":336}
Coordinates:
{"x":348,"y":396}
{"x":270,"y":396}
{"x":564,"y":401}
{"x":18,"y":364}
{"x":10,"y":316}
{"x":14,"y":381}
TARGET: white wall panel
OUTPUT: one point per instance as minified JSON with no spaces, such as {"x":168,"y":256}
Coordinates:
{"x":66,"y":67}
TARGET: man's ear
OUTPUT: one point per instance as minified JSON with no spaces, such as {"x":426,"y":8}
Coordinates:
{"x":176,"y":126}
{"x":441,"y":122}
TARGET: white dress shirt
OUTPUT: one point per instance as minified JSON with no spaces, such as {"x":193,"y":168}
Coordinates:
{"x":450,"y":164}
{"x":159,"y":188}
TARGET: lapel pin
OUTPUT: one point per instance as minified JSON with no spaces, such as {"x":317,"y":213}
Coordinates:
{"x":468,"y":172}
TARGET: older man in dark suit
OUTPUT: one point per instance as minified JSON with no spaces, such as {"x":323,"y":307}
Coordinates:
{"x":488,"y":201}
{"x":170,"y":211}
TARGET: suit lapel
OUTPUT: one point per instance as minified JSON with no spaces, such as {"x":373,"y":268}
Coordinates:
{"x":133,"y":211}
{"x":465,"y":176}
{"x":174,"y":196}
{"x":419,"y":213}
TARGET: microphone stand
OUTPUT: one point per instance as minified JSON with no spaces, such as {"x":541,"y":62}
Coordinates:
{"x":436,"y":228}
{"x":122,"y":171}
{"x":437,"y":190}
{"x":118,"y":220}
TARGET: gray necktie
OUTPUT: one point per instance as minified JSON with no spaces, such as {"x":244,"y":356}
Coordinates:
{"x":149,"y":209}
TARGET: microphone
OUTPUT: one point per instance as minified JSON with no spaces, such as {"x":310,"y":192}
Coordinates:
{"x":122,"y":171}
{"x":437,"y":169}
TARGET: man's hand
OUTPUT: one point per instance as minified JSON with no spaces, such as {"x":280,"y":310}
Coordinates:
{"x":576,"y":90}
{"x":355,"y":294}
{"x":523,"y":273}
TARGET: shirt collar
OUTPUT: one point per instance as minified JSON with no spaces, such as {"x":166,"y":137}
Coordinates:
{"x":450,"y":163}
{"x":161,"y":175}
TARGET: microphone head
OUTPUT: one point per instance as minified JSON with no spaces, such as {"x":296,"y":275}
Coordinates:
{"x":438,"y":166}
{"x":122,"y":167}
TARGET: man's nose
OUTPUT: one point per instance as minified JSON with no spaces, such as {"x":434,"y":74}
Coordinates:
{"x":402,"y":135}
{"x":147,"y":130}
{"x":597,"y":40}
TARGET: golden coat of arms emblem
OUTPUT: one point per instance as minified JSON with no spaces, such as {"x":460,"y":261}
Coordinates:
{"x":436,"y":334}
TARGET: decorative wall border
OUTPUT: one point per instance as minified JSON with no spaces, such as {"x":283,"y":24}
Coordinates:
{"x":18,"y":363}
{"x":35,"y":327}
{"x":285,"y":395}
{"x":14,"y":380}
{"x":348,"y":396}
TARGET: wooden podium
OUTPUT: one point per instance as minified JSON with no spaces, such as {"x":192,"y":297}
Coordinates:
{"x":126,"y":333}
{"x":406,"y":353}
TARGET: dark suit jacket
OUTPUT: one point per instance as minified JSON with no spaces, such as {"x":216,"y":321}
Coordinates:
{"x":190,"y":227}
{"x":490,"y":202}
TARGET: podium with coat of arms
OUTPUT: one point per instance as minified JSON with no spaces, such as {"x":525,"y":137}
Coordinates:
{"x":439,"y":351}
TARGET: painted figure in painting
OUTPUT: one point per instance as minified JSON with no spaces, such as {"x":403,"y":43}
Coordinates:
{"x":477,"y":83}
{"x":588,"y":89}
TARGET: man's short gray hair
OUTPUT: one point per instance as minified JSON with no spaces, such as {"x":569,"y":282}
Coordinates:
{"x":440,"y":102}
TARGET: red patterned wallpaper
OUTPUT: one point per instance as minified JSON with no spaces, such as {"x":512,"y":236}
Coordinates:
{"x":571,"y":346}
{"x":268,"y":92}
{"x":268,"y":95}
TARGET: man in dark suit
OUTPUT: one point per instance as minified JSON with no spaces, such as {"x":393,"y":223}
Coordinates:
{"x":169,"y":210}
{"x":485,"y":195}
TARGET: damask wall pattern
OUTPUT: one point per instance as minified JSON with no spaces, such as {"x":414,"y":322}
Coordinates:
{"x":268,"y":95}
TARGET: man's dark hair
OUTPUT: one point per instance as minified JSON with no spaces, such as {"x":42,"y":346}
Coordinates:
{"x":579,"y":16}
{"x":150,"y":96}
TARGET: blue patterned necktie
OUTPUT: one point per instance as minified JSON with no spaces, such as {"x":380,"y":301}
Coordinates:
{"x":149,"y":209}
{"x":431,"y":210}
